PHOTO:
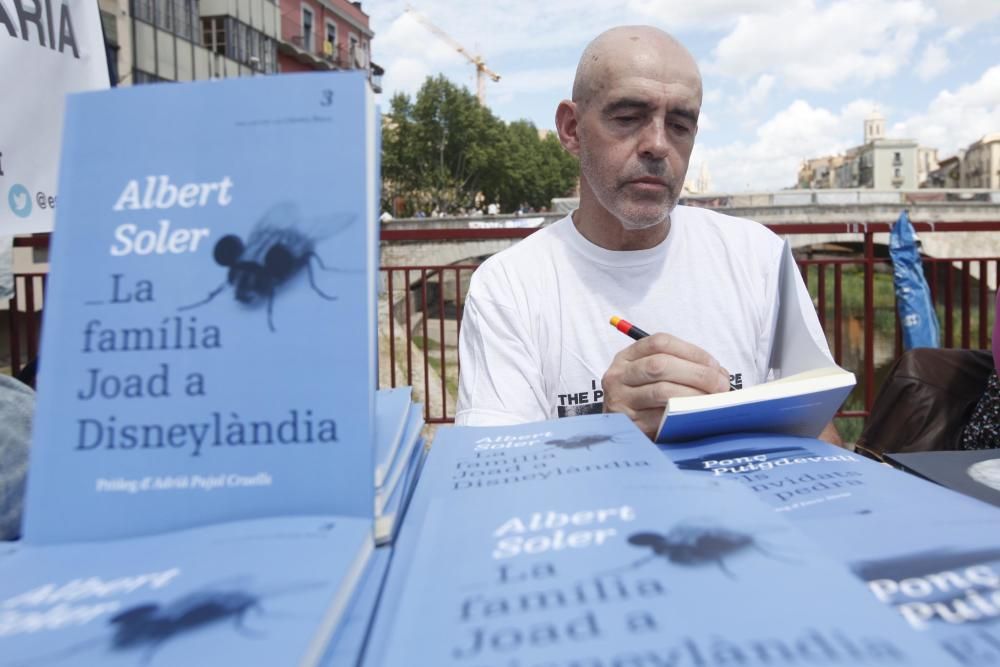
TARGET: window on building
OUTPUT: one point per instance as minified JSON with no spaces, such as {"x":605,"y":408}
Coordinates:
{"x":307,"y":29}
{"x":179,"y":17}
{"x":213,"y":32}
{"x":267,"y":55}
{"x":143,"y":10}
{"x":256,"y":50}
{"x":241,"y":43}
{"x":110,"y":26}
{"x":185,"y":15}
{"x":354,"y":51}
{"x":139,"y":76}
{"x":330,"y":44}
{"x":897,"y":173}
{"x":164,"y":11}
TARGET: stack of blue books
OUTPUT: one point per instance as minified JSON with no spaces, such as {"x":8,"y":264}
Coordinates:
{"x":576,"y":542}
{"x":930,"y":554}
{"x":205,"y":484}
{"x":399,"y":454}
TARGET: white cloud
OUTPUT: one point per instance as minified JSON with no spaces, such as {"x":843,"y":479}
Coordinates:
{"x":556,"y":79}
{"x":555,"y":82}
{"x":701,"y":14}
{"x":954,"y":120}
{"x":771,"y":161}
{"x":493,"y":29}
{"x":415,"y":55}
{"x":820,"y":48}
{"x":711,"y":96}
{"x":966,"y":13}
{"x":933,"y":62}
{"x":953,"y":35}
{"x":405,"y":75}
{"x":755,"y":96}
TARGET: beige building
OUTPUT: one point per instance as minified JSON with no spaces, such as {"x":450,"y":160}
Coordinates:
{"x":879,"y":163}
{"x":981,"y":164}
{"x":948,"y":174}
{"x":820,"y":173}
{"x":927,"y":162}
{"x":888,"y":164}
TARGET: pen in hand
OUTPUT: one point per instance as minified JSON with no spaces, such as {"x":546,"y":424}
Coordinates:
{"x":628,"y":328}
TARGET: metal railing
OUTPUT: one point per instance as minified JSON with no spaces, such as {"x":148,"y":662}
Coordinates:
{"x":421,"y":312}
{"x":24,"y":319}
{"x":421,"y":318}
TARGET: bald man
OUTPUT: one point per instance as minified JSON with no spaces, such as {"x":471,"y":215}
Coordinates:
{"x":535,"y":342}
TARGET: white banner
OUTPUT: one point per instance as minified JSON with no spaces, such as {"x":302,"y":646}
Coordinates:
{"x":47,"y":48}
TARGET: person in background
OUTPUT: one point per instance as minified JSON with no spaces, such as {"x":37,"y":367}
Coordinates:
{"x":983,"y":428}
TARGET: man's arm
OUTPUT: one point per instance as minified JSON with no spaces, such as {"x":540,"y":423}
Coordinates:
{"x":647,"y":373}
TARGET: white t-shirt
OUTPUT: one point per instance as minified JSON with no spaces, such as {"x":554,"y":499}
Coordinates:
{"x":536,"y":337}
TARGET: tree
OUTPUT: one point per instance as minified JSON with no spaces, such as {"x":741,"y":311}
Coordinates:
{"x":535,"y":169}
{"x":443,"y":150}
{"x":437,"y":151}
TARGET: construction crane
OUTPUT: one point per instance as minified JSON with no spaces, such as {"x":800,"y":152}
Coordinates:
{"x":482,"y":71}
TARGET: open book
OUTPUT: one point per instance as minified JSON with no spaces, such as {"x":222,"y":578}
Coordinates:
{"x":807,"y":390}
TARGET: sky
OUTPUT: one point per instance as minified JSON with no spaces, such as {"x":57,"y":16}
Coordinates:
{"x":784,"y":80}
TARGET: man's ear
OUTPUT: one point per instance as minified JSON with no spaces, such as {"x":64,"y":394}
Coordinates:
{"x":566,"y":126}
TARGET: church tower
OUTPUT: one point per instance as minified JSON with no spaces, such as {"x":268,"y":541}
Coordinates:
{"x":874,"y":126}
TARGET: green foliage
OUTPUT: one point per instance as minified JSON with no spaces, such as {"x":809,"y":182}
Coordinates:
{"x":442,"y":149}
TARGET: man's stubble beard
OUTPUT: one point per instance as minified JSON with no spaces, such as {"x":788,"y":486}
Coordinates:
{"x":615,"y":203}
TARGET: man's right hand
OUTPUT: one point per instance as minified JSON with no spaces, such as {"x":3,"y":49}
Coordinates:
{"x":647,"y":373}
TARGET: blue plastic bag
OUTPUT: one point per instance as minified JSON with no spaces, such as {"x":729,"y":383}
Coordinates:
{"x":913,"y":296}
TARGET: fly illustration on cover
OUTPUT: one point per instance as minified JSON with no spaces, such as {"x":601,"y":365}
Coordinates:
{"x":582,"y":441}
{"x":277,"y":248}
{"x":147,"y":626}
{"x":693,"y":544}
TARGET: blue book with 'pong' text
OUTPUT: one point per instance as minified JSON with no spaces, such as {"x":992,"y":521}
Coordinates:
{"x":929,"y":553}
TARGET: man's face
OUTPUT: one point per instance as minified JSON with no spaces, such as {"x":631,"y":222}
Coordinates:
{"x":635,"y":134}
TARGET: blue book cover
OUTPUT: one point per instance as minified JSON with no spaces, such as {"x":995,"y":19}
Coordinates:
{"x":262,"y":592}
{"x":930,"y":553}
{"x":411,"y":434}
{"x":378,"y":284}
{"x":642,"y":574}
{"x":348,"y":643}
{"x":392,"y":408}
{"x":537,"y":457}
{"x":387,"y":524}
{"x":802,"y":407}
{"x":466,"y":458}
{"x":465,"y":462}
{"x":208,"y":345}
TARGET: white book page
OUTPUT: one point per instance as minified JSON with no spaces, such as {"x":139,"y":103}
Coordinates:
{"x":794,"y":350}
